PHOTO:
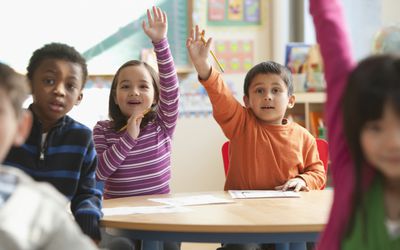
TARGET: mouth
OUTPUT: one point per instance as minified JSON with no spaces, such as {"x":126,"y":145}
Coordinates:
{"x":267,"y":107}
{"x":134,"y":102}
{"x":56,"y":106}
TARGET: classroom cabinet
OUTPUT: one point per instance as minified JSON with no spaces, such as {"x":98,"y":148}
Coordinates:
{"x":308,"y":111}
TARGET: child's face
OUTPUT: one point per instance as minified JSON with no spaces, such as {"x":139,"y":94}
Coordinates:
{"x":268,"y":98}
{"x":380,"y":142}
{"x":56,"y":88}
{"x":134,"y":91}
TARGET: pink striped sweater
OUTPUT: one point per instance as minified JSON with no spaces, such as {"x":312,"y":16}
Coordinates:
{"x":132,"y":167}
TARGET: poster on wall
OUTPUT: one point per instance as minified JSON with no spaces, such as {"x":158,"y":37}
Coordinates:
{"x":233,"y":12}
{"x":235,"y":56}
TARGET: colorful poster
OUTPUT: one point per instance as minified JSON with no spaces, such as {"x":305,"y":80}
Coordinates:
{"x":216,"y":10}
{"x":252,"y":11}
{"x":235,"y":10}
{"x":236,"y":56}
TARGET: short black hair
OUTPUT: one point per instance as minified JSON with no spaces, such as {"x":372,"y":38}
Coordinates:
{"x":57,"y":51}
{"x":269,"y":67}
{"x":15,"y":86}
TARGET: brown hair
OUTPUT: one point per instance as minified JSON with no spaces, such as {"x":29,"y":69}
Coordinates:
{"x":15,"y":85}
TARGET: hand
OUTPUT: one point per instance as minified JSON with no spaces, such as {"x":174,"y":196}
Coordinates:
{"x":297,"y":184}
{"x":198,"y":52}
{"x":158,"y":25}
{"x":133,"y":125}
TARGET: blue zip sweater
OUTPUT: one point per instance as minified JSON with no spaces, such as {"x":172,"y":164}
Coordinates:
{"x":68,"y":161}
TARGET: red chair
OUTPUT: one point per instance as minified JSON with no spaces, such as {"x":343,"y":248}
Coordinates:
{"x":225,"y":156}
{"x":323,"y":151}
{"x":322,"y":146}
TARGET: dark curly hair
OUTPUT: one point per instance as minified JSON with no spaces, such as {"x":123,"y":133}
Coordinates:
{"x":15,"y":87}
{"x":114,"y":112}
{"x":57,"y":51}
{"x":269,"y":67}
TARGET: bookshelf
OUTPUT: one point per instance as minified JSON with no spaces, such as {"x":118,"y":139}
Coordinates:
{"x":307,"y":104}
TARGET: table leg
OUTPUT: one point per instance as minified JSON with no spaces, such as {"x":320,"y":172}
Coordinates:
{"x":152,"y":245}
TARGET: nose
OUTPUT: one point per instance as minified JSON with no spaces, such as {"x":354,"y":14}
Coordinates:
{"x":59,"y":89}
{"x":392,"y":139}
{"x":134,"y":92}
{"x":268,"y":96}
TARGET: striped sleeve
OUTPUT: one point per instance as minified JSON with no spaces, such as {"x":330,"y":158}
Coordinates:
{"x":109,"y":157}
{"x":169,"y":92}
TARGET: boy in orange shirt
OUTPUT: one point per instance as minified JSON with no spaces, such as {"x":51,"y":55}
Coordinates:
{"x":266,"y":150}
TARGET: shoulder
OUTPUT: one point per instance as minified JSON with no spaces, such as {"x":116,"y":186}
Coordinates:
{"x":42,"y":190}
{"x":301,"y":132}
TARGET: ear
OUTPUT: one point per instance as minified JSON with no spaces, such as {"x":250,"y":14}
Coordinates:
{"x":79,"y":99}
{"x":246,"y":101}
{"x":24,"y":127}
{"x":292,"y":100}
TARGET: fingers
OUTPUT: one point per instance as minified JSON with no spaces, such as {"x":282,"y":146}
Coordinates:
{"x":149,"y":18}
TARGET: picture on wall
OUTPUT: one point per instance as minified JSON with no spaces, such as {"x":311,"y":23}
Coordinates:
{"x":233,"y":12}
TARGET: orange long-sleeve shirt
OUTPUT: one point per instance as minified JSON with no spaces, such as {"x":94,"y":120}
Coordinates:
{"x":262,"y":156}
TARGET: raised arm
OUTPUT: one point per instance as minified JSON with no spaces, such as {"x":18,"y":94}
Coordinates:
{"x":335,"y":48}
{"x":168,"y":104}
{"x":227,"y":111}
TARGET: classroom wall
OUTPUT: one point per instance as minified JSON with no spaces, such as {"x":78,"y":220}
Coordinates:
{"x":196,"y":156}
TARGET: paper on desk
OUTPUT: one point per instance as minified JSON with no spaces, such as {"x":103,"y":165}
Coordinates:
{"x":192,"y":200}
{"x":143,"y":210}
{"x":247,"y":194}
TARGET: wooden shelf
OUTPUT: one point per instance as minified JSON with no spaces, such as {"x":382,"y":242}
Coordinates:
{"x":310,"y":97}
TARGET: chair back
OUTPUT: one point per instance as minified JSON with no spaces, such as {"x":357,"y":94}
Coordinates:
{"x":323,"y":151}
{"x":225,"y":156}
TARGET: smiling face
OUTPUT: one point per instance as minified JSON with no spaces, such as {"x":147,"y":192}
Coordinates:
{"x":380,"y":142}
{"x":56,"y":88}
{"x":134,"y":90}
{"x":268,"y":98}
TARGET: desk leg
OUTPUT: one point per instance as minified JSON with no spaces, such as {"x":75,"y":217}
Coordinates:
{"x":291,"y":246}
{"x":152,"y":245}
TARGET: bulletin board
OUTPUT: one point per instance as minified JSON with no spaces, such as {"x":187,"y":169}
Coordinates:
{"x":233,"y":12}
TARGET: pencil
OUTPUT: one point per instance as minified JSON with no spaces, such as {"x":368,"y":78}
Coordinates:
{"x":211,"y":52}
{"x":144,"y":113}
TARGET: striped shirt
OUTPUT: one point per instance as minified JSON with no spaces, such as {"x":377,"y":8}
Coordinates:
{"x":68,"y":161}
{"x":141,"y":166}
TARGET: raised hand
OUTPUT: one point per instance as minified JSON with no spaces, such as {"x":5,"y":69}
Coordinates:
{"x":157,"y":26}
{"x":198,"y":52}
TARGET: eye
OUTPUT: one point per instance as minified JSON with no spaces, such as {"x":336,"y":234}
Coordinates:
{"x":144,"y":86}
{"x":374,"y":127}
{"x":275,"y":90}
{"x":49,"y":81}
{"x":260,"y":91}
{"x":71,"y":86}
{"x":124,"y":86}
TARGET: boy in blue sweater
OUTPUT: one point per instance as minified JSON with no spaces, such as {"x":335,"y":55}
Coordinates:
{"x":60,"y":150}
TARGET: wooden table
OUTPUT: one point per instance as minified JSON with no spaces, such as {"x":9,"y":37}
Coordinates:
{"x":271,"y":220}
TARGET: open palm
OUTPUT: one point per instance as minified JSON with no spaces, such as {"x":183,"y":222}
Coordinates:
{"x":157,"y":26}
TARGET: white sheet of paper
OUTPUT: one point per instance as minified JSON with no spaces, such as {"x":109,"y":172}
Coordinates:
{"x":192,"y":200}
{"x":143,"y":210}
{"x":248,"y":194}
